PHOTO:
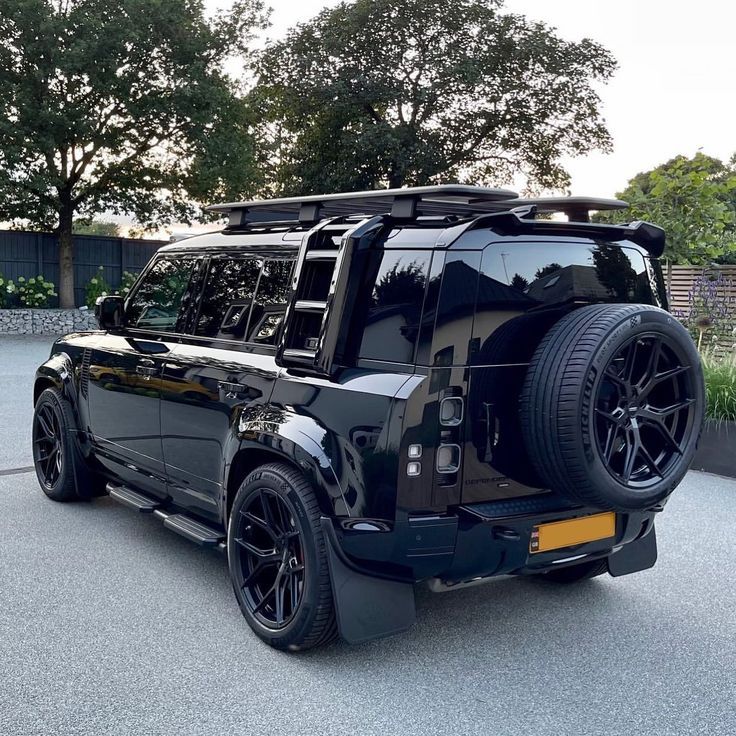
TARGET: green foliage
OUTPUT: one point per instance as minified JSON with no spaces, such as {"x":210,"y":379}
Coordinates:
{"x":35,"y":292}
{"x":126,"y":282}
{"x":693,"y":200}
{"x":720,"y":387}
{"x":108,"y":109}
{"x":96,"y":227}
{"x":97,"y":286}
{"x":410,"y":92}
{"x":8,"y":292}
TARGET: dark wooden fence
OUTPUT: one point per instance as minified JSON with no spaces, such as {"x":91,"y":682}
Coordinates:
{"x":32,"y":254}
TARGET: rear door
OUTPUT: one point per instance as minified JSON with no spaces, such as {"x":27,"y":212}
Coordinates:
{"x":125,"y":369}
{"x":524,"y":288}
{"x":226,"y":365}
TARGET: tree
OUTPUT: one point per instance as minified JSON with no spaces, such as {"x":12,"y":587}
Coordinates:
{"x":385,"y":92}
{"x":547,"y":270}
{"x":116,"y":109}
{"x":96,"y":227}
{"x":694,"y":200}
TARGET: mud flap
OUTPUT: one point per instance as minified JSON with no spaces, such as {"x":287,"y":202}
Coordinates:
{"x":635,"y":556}
{"x":367,"y":607}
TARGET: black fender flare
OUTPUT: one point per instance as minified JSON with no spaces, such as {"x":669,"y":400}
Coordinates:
{"x":294,"y":438}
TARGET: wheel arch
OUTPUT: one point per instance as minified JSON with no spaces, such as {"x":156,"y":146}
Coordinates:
{"x":292,"y":441}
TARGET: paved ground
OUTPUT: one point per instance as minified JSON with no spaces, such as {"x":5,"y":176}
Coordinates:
{"x":19,"y":357}
{"x":109,"y":624}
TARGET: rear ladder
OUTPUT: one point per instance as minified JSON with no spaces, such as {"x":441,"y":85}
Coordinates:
{"x":324,"y":287}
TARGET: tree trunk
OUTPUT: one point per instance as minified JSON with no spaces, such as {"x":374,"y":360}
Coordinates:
{"x":66,"y":258}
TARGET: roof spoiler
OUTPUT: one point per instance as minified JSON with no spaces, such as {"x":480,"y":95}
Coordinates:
{"x":648,"y":236}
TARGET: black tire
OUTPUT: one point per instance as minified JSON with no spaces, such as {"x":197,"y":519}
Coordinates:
{"x":53,"y":458}
{"x":613,"y":405}
{"x":278,"y":497}
{"x":576,"y":573}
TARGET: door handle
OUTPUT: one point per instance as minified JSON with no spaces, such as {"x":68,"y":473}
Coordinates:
{"x":146,"y":371}
{"x":231,"y":390}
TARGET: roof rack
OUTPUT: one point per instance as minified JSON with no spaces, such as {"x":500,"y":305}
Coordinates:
{"x":577,"y":209}
{"x":461,"y":200}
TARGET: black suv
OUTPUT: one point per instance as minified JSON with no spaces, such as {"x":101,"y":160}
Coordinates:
{"x":353,"y":393}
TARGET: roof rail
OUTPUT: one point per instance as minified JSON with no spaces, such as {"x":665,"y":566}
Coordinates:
{"x":461,"y":200}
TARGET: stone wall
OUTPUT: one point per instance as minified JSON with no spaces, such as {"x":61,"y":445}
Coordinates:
{"x":45,"y":321}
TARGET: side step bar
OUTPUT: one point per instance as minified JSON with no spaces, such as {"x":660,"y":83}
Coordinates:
{"x":194,"y":531}
{"x":132,"y":499}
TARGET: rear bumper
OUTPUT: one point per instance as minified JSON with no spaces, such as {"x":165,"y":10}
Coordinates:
{"x":476,"y":541}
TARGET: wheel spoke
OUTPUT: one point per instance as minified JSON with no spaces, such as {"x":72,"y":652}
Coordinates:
{"x":632,"y":450}
{"x":652,"y":363}
{"x":259,"y":523}
{"x":268,"y":514}
{"x":607,"y":415}
{"x":661,"y":427}
{"x":616,"y":378}
{"x":270,"y":555}
{"x":649,"y":461}
{"x":279,"y":594}
{"x":45,"y":426}
{"x":610,"y":442}
{"x":630,"y":361}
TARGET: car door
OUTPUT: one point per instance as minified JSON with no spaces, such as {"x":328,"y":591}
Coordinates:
{"x":125,"y":374}
{"x":226,"y":366}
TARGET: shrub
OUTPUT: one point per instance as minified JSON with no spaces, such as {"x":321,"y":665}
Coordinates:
{"x":97,"y":286}
{"x":711,"y":312}
{"x":720,"y":387}
{"x":126,"y":282}
{"x":35,"y":292}
{"x":8,"y":292}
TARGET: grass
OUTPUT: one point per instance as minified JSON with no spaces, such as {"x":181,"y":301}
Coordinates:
{"x":720,"y":387}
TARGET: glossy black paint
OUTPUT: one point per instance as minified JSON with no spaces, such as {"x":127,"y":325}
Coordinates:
{"x":184,"y":417}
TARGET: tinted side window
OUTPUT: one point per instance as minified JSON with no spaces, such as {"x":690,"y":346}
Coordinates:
{"x":157,"y":302}
{"x":227,"y":297}
{"x":392,"y":322}
{"x":274,"y":289}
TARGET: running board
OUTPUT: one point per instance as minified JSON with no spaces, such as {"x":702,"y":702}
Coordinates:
{"x":194,"y":531}
{"x":133,"y":499}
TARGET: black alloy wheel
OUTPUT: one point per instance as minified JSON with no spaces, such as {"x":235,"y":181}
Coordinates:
{"x":48,"y":447}
{"x":277,"y":557}
{"x":644,"y":410}
{"x":272,"y":558}
{"x":53,"y":450}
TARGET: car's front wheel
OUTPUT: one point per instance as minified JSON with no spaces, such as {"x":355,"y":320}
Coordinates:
{"x":278,"y":562}
{"x":53,"y":454}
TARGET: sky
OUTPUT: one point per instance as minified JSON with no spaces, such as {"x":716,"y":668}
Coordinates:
{"x":673,"y":92}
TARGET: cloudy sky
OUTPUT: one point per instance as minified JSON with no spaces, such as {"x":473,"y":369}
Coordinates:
{"x":674,"y":91}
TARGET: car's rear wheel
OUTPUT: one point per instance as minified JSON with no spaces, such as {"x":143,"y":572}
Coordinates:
{"x":613,"y":405}
{"x":53,"y":453}
{"x":277,"y":560}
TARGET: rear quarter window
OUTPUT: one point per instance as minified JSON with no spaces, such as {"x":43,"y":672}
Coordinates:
{"x":524,"y":288}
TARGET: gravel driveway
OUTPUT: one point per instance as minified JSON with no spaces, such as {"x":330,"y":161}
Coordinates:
{"x":109,"y":624}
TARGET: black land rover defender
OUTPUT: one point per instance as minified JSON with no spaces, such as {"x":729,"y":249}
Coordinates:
{"x":353,"y":393}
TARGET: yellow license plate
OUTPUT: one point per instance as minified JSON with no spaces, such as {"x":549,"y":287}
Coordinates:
{"x":567,"y":533}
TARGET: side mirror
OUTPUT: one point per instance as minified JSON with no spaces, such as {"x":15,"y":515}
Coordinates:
{"x":109,"y":312}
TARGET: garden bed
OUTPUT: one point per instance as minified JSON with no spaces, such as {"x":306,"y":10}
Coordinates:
{"x":717,"y":448}
{"x":45,"y":321}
